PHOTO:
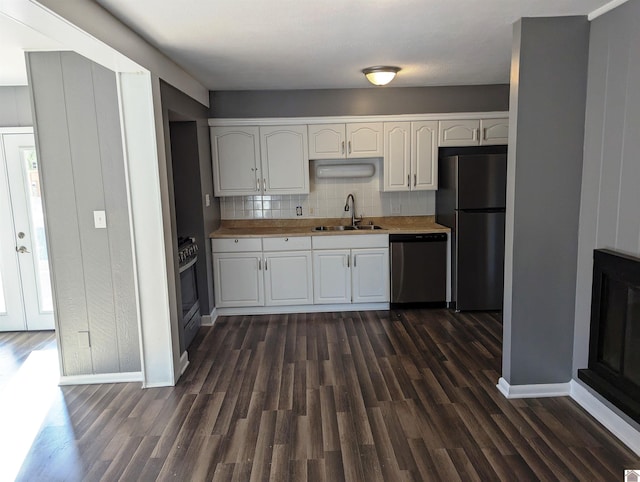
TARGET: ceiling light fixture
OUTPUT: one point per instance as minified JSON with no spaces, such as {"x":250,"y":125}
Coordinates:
{"x":380,"y":75}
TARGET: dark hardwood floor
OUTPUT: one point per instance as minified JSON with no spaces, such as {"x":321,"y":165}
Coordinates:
{"x":392,"y":395}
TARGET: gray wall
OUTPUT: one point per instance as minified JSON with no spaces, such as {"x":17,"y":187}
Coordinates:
{"x":189,"y":158}
{"x":369,"y":101}
{"x":545,"y":166}
{"x":610,"y":209}
{"x":15,"y":107}
{"x":80,"y":151}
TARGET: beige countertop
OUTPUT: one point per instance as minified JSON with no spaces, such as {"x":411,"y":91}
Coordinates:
{"x":304,"y":227}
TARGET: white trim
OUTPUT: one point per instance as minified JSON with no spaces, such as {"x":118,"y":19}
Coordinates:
{"x":279,"y":121}
{"x":209,"y":320}
{"x":627,"y":434}
{"x":126,"y":377}
{"x":605,"y":8}
{"x":541,"y":390}
{"x":184,"y":361}
{"x":276,"y":310}
{"x":16,"y":130}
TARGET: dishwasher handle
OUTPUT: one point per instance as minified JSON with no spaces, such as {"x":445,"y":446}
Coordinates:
{"x":418,"y":238}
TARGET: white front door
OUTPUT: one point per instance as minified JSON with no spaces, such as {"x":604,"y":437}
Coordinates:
{"x":25,"y":285}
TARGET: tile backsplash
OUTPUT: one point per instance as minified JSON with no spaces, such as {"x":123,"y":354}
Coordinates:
{"x":327,"y":198}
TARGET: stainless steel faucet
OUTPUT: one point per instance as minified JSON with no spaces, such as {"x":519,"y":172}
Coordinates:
{"x":352,"y":209}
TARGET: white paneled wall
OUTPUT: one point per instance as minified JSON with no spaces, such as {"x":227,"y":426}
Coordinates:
{"x":327,"y":199}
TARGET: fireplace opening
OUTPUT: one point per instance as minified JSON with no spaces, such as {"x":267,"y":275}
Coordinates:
{"x":614,"y":336}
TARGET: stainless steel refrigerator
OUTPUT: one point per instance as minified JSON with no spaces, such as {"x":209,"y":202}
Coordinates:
{"x":471,"y":200}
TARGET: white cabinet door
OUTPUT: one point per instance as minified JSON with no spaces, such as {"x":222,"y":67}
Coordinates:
{"x":424,"y":155}
{"x":331,"y":276}
{"x":238,"y":279}
{"x":327,"y":141}
{"x":285,"y":161}
{"x":288,"y":278}
{"x":494,"y":131}
{"x":459,"y":133}
{"x":365,"y":140}
{"x":236,"y":158}
{"x":397,"y":156}
{"x":370,"y":275}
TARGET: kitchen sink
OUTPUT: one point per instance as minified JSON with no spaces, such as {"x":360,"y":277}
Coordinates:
{"x":365,"y":227}
{"x":334,"y":228}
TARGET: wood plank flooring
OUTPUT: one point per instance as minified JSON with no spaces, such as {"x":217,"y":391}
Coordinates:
{"x":400,"y":395}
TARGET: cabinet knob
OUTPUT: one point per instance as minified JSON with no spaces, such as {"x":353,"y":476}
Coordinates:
{"x":235,"y":241}
{"x":286,"y":239}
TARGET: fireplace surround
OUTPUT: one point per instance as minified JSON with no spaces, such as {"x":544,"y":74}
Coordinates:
{"x":614,"y":337}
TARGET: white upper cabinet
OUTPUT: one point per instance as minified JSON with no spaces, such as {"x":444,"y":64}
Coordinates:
{"x":342,"y":141}
{"x":365,"y":140}
{"x":250,"y":160}
{"x":285,"y":161}
{"x":410,"y":156}
{"x":397,"y":156}
{"x":327,"y":141}
{"x":494,"y":131}
{"x":459,"y":132}
{"x":236,"y":158}
{"x":424,"y":155}
{"x":476,"y":132}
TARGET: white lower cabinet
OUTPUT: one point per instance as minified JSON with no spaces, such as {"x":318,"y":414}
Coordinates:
{"x":287,"y":278}
{"x":238,"y":279}
{"x":370,"y":275}
{"x":356,"y":275}
{"x":342,"y":269}
{"x":351,"y":276}
{"x":332,"y":276}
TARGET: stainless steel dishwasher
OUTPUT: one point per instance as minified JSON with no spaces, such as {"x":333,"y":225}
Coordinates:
{"x":418,"y":268}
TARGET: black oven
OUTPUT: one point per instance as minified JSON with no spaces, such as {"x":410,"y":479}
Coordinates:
{"x":190,"y":315}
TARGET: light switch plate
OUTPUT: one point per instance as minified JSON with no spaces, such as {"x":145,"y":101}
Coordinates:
{"x":207,"y":200}
{"x":99,"y":219}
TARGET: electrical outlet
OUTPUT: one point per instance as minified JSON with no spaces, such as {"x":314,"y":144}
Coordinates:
{"x":298,"y":210}
{"x":311,"y":211}
{"x":396,"y":208}
{"x":207,"y":200}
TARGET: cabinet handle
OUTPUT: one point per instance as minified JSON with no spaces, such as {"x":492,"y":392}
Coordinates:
{"x":259,"y":264}
{"x":475,"y":134}
{"x":265,"y":264}
{"x":348,"y":259}
{"x":257,"y":184}
{"x":354,"y":261}
{"x":408,"y":180}
{"x":343,"y":147}
{"x":264,"y":184}
{"x":415,"y":180}
{"x":484,"y":134}
{"x":349,"y":147}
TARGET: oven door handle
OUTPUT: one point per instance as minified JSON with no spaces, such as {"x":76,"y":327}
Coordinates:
{"x":184,"y":268}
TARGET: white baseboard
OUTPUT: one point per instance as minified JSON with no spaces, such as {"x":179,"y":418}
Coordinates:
{"x":619,"y":427}
{"x":126,"y":377}
{"x":210,"y":319}
{"x":275,"y":310}
{"x":542,"y":390}
{"x":184,"y":362}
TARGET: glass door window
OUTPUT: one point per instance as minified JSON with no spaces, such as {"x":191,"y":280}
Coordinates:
{"x":26,"y":301}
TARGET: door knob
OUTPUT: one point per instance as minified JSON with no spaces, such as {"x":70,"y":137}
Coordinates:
{"x":22,"y":249}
